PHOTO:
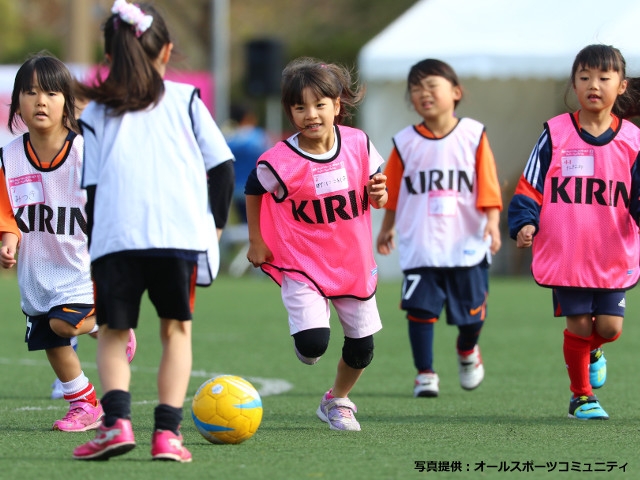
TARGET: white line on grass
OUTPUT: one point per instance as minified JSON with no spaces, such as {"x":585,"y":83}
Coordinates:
{"x":265,"y":386}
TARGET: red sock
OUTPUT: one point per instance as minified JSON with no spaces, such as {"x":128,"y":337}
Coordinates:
{"x":576,"y":356}
{"x":87,"y":394}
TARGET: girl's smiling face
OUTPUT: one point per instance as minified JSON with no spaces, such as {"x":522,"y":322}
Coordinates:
{"x":314,"y":118}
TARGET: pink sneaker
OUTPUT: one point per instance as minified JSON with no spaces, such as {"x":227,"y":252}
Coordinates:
{"x":82,"y":416}
{"x":109,"y":442}
{"x":166,"y":445}
{"x":131,"y":345}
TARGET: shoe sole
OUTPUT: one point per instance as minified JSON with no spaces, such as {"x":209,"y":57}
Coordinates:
{"x":468,"y":389}
{"x":590,"y":418}
{"x":170,"y":457}
{"x":108,"y":452}
{"x":426,"y":394}
{"x":93,"y":426}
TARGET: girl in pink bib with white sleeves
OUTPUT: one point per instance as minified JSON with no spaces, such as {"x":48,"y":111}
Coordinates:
{"x":310,"y":226}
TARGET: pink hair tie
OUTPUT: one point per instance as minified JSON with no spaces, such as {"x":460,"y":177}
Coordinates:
{"x":131,"y":14}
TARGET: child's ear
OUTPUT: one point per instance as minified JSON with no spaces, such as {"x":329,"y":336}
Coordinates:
{"x":165,"y":53}
{"x":457,"y":93}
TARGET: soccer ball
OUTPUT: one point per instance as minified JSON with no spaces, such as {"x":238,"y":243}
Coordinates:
{"x":226,"y":409}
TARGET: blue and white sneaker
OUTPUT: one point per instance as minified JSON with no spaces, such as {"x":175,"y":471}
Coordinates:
{"x":586,"y":408}
{"x":56,"y":389}
{"x":597,"y":368}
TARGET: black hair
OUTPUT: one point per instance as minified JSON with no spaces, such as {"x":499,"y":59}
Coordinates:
{"x":605,"y":58}
{"x":53,"y":76}
{"x":432,"y":67}
{"x":132,"y":83}
{"x":325,"y":80}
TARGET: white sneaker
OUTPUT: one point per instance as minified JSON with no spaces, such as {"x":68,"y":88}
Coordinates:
{"x":470,"y":369}
{"x":426,"y":385}
{"x":338,"y":413}
{"x":56,"y":390}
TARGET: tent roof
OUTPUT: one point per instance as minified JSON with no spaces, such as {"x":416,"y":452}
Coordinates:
{"x":502,"y":38}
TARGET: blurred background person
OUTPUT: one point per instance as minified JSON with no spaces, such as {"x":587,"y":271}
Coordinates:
{"x":247,"y":141}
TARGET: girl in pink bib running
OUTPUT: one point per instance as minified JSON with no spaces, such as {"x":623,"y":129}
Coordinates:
{"x":310,"y":226}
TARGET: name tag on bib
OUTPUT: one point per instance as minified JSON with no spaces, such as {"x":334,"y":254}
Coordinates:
{"x":578,"y":162}
{"x":26,"y":190}
{"x":443,"y":203}
{"x":330,"y":178}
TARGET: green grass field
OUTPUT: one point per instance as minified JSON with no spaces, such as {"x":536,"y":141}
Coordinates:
{"x":513,"y":426}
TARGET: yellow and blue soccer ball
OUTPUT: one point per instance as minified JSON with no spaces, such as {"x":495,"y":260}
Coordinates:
{"x":227,"y":409}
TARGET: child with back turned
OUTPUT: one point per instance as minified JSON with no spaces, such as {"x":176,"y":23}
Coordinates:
{"x":445,"y":202}
{"x":577,"y":205}
{"x":310,"y":226}
{"x":150,"y":145}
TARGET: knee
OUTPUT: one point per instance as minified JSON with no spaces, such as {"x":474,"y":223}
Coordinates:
{"x":609,"y":333}
{"x":358,"y":352}
{"x":311,"y":344}
{"x":62,"y":328}
{"x":608,"y":328}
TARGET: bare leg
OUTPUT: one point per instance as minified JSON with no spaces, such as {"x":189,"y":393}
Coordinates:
{"x":346,"y":379}
{"x":175,"y":366}
{"x":65,"y":363}
{"x":113,"y":366}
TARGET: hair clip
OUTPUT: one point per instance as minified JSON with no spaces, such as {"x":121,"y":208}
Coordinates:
{"x":131,"y":14}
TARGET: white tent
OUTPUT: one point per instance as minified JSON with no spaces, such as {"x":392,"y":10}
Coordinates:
{"x":501,"y":38}
{"x":513,"y":58}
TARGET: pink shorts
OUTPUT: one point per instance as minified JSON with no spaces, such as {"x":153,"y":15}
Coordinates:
{"x":308,"y":309}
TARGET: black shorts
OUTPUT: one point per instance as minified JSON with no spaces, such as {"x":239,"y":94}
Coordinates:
{"x":121,"y":280}
{"x":462,"y":291}
{"x":39,"y":335}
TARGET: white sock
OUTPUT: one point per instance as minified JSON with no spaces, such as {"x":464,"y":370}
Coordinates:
{"x":76,"y":385}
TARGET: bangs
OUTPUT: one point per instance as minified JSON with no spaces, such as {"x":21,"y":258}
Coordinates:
{"x":294,"y":95}
{"x":51,"y":77}
{"x":318,"y":79}
{"x":431,"y":67}
{"x":601,"y":57}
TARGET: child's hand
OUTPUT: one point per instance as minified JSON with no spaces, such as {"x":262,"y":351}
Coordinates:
{"x":377,"y":190}
{"x":525,"y":236}
{"x":386,"y":241}
{"x":494,"y":231}
{"x":259,"y":253}
{"x":7,"y":256}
